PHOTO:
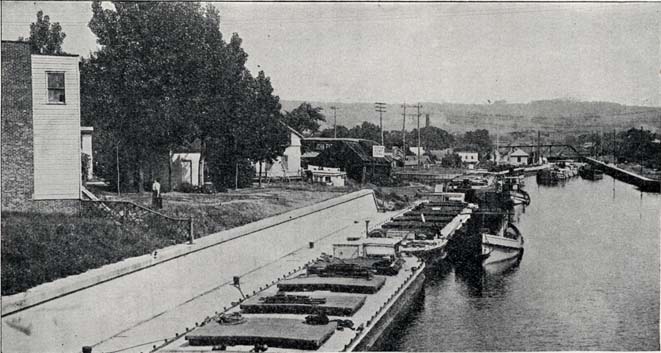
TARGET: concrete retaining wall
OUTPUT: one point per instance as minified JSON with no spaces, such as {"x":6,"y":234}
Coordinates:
{"x":124,"y":294}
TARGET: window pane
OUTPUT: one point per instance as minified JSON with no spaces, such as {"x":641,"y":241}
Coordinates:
{"x":56,"y":80}
{"x":56,"y":96}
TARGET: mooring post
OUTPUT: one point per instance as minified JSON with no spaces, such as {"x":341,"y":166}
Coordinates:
{"x":190,"y":229}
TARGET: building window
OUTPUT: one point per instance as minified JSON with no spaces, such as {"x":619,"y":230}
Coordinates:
{"x":518,"y":159}
{"x":56,"y":87}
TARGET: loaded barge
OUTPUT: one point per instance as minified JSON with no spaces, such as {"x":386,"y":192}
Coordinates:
{"x":426,"y":229}
{"x":347,"y":301}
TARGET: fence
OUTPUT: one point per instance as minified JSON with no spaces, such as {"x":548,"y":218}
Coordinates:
{"x":135,"y":218}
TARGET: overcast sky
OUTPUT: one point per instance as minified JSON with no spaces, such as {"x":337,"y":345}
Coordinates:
{"x":431,"y":52}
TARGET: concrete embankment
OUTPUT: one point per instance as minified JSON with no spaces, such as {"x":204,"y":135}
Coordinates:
{"x":136,"y":303}
{"x":643,"y":183}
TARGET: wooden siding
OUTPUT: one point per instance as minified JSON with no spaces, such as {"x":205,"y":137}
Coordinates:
{"x":56,"y":130}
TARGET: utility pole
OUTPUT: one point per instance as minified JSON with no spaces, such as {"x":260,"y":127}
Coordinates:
{"x":381,"y":108}
{"x":334,"y":121}
{"x":419,"y":106}
{"x":404,"y":129}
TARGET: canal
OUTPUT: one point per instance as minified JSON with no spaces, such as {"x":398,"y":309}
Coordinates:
{"x":589,"y":280}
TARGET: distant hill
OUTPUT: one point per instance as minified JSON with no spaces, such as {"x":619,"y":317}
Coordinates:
{"x":553,"y":115}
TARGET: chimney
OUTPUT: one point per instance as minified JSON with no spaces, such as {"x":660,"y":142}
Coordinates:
{"x":427,"y":120}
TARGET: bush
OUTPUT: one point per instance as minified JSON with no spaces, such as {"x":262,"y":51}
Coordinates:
{"x":187,"y":188}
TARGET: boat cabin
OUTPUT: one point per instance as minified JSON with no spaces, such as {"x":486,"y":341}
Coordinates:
{"x":367,"y":247}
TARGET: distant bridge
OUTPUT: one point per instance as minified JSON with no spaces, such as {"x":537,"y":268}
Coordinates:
{"x":643,"y":183}
{"x":549,"y":150}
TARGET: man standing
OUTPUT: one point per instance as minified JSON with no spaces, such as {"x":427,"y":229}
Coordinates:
{"x":156,"y":200}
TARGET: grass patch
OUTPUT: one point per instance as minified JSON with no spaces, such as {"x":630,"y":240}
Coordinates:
{"x":217,"y":212}
{"x":38,"y":248}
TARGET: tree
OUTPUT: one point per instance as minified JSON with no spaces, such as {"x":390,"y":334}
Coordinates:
{"x":367,"y":131}
{"x":342,"y":131}
{"x":305,"y":118}
{"x":164,"y":77}
{"x":478,"y":140}
{"x":45,"y":37}
{"x":431,"y":138}
{"x":451,"y":161}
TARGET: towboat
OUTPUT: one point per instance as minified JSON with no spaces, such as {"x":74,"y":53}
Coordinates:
{"x":476,"y":181}
{"x":591,"y":173}
{"x":504,"y":245}
{"x":347,"y":301}
{"x":513,"y":187}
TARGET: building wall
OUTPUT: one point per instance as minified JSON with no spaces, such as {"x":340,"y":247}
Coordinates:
{"x":293,"y":153}
{"x":468,"y":156}
{"x":56,"y":130}
{"x":86,"y":147}
{"x":515,"y":160}
{"x":17,"y":129}
{"x":291,"y":161}
{"x":183,"y":171}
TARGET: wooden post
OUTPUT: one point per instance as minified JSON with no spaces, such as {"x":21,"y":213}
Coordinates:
{"x":190,"y":230}
{"x":117,"y":160}
{"x":236,"y":175}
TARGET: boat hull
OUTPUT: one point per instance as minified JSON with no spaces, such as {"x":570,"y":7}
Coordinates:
{"x":396,"y":311}
{"x":496,"y":249}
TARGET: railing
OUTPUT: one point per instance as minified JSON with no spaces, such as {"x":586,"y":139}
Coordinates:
{"x":136,"y":218}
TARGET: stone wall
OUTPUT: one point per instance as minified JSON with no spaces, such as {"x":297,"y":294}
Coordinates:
{"x":17,"y":128}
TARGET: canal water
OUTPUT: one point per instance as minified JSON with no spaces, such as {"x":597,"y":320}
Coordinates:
{"x":588,"y":280}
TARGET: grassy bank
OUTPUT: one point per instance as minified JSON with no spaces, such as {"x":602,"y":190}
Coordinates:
{"x":39,"y":248}
{"x":217,"y":212}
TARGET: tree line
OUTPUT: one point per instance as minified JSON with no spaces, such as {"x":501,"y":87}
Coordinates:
{"x":165,"y":77}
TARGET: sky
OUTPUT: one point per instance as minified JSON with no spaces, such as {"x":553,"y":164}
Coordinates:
{"x":425,"y":52}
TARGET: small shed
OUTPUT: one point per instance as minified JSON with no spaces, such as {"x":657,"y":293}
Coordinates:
{"x":518,"y":157}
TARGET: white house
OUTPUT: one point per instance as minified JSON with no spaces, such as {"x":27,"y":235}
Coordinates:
{"x":468,"y":158}
{"x":289,"y":164}
{"x":518,"y":157}
{"x":56,"y":119}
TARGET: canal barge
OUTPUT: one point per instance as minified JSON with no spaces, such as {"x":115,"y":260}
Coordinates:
{"x":503,"y":245}
{"x":426,"y":229}
{"x":591,"y":173}
{"x":347,"y":301}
